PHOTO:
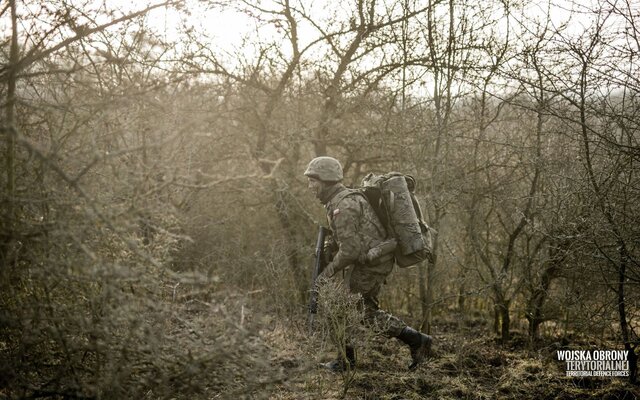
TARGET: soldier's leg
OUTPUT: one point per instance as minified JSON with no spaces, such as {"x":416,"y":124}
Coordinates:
{"x":368,"y":282}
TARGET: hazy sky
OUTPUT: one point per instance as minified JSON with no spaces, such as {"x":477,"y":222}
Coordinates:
{"x":228,"y":27}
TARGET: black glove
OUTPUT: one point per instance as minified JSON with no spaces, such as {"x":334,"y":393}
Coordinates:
{"x":328,"y":271}
{"x":329,"y":251}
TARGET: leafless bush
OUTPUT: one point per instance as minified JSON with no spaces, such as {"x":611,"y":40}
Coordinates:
{"x":341,"y":323}
{"x":90,"y":309}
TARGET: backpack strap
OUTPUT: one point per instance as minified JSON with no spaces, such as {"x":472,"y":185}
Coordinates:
{"x":340,"y":196}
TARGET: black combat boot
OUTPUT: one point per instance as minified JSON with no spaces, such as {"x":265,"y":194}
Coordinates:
{"x":419,"y":343}
{"x":341,"y":364}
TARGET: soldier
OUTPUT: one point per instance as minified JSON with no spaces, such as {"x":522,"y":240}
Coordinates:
{"x":355,"y":230}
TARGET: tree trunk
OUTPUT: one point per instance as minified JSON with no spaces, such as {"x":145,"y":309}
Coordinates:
{"x":535,"y":315}
{"x":505,"y":326}
{"x":427,"y":284}
{"x":622,"y":313}
{"x":601,"y":201}
{"x":425,"y":326}
{"x":9,"y":129}
{"x":461,"y":298}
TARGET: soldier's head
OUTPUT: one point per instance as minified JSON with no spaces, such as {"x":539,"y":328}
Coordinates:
{"x":322,"y":173}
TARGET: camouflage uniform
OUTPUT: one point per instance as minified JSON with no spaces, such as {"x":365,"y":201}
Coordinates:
{"x":356,"y":229}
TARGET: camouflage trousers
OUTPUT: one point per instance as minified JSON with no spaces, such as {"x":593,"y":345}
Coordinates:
{"x":367,"y":281}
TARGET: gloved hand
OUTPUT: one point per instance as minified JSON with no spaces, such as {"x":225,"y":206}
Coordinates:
{"x":371,"y":255}
{"x":328,"y":271}
{"x":329,"y":251}
{"x":386,"y":247}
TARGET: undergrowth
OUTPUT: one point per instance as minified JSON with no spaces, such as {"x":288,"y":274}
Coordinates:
{"x":466,"y":364}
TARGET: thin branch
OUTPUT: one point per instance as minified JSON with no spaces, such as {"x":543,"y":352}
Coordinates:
{"x":80,"y":34}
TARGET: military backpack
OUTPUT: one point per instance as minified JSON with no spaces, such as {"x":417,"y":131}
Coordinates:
{"x":392,"y":197}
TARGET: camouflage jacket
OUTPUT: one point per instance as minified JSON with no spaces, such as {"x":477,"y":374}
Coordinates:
{"x":354,"y":224}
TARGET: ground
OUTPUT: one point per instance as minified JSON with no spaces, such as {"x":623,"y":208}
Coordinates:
{"x":468,"y":363}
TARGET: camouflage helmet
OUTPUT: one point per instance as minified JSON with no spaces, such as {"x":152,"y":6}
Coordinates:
{"x":325,"y":168}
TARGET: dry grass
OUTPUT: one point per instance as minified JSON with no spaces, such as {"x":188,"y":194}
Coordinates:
{"x":475,"y":367}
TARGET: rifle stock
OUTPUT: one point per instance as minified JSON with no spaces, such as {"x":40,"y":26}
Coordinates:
{"x":317,"y":268}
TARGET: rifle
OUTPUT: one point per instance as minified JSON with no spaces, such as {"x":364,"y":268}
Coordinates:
{"x":318,"y":265}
